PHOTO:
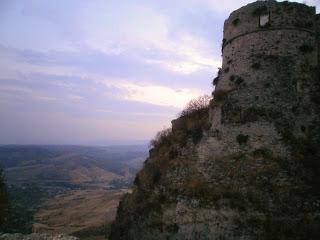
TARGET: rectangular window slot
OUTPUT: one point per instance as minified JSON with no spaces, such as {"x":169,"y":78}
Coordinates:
{"x":264,"y":20}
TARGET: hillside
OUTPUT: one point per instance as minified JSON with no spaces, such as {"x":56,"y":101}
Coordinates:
{"x":58,"y":165}
{"x":247,"y":167}
{"x":49,"y":184}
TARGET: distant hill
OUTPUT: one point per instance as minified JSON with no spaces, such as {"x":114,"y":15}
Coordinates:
{"x":38,"y":175}
{"x":71,"y":164}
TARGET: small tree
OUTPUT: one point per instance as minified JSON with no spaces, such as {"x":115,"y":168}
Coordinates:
{"x":161,"y":137}
{"x":197,"y":104}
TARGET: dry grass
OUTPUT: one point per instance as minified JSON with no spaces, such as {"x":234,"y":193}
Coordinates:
{"x":78,"y":210}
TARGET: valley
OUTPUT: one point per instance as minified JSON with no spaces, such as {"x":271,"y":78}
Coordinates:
{"x":81,"y":213}
{"x":68,"y":189}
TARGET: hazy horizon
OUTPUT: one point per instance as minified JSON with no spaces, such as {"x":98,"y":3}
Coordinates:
{"x":95,"y":72}
{"x":107,"y":143}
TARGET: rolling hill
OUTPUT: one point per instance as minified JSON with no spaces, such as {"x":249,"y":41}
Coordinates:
{"x":44,"y":181}
{"x":78,"y":165}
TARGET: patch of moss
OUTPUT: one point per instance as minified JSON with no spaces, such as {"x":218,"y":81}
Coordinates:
{"x":220,"y":95}
{"x":253,"y":114}
{"x":236,"y":22}
{"x":303,"y":24}
{"x":224,"y":42}
{"x":256,"y":65}
{"x":259,"y":11}
{"x":267,"y":85}
{"x":239,"y":81}
{"x":242,"y":139}
{"x":305,"y":48}
{"x":215,"y":81}
{"x":262,"y":152}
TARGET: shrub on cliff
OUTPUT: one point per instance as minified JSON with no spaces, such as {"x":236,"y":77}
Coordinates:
{"x":161,"y":137}
{"x":198,"y":104}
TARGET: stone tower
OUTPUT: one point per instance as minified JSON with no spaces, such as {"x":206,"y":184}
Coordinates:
{"x":266,"y":85}
{"x":248,"y":167}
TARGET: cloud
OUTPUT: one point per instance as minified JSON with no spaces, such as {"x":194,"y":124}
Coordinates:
{"x":228,"y":6}
{"x":24,"y":92}
{"x":152,"y":94}
{"x":76,"y":98}
{"x":158,"y":95}
{"x":101,"y":68}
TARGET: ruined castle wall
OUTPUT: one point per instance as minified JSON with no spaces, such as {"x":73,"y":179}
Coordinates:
{"x":282,"y":15}
{"x":250,"y":173}
{"x":266,"y":73}
{"x":287,"y":32}
{"x":318,"y":35}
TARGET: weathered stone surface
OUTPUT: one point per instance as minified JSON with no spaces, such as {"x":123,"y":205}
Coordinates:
{"x":35,"y":236}
{"x":252,"y":170}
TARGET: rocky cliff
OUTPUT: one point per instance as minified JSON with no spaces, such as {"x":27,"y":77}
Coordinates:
{"x":248,"y":166}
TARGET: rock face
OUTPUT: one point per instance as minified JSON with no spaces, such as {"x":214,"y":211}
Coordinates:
{"x":248,"y":167}
{"x":35,"y":236}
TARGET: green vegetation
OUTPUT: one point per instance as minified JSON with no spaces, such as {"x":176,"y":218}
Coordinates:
{"x":236,"y":114}
{"x":236,"y":22}
{"x":162,"y":137}
{"x":25,"y":201}
{"x":217,"y":78}
{"x":224,"y":42}
{"x":262,"y":152}
{"x":208,"y":194}
{"x":91,"y":232}
{"x":239,"y":81}
{"x":17,"y":206}
{"x":259,"y":11}
{"x":4,"y":203}
{"x":242,"y":139}
{"x":196,"y":105}
{"x":220,"y":95}
{"x":215,"y":81}
{"x":253,"y":114}
{"x":303,"y":24}
{"x":304,"y":228}
{"x":188,"y":127}
{"x":305,"y":48}
{"x":267,"y":85}
{"x":256,"y":65}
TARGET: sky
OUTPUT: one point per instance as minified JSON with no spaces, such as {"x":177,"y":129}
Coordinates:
{"x":104,"y":72}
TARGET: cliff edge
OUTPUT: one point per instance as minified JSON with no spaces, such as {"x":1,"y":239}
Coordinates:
{"x":248,"y":166}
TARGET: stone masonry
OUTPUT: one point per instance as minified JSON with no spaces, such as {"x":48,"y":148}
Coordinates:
{"x":251,"y":170}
